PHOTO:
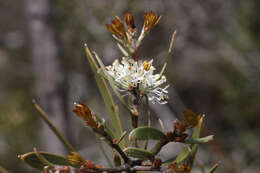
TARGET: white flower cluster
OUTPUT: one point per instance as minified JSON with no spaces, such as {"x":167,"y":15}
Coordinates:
{"x":130,"y":75}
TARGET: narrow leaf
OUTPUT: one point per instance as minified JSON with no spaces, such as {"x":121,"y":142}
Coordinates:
{"x":42,"y":158}
{"x":199,"y":140}
{"x":111,"y":107}
{"x":147,"y":133}
{"x":138,"y":153}
{"x":32,"y":159}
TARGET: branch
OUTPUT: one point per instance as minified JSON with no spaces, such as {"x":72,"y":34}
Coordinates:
{"x":114,"y":145}
{"x":126,"y":168}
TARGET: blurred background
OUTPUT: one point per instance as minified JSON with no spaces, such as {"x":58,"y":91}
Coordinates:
{"x":214,"y":69}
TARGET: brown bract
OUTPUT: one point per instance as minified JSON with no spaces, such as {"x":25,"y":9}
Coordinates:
{"x":150,"y":20}
{"x":117,"y":28}
{"x":85,"y":113}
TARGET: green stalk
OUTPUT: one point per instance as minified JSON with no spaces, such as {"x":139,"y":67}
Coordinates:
{"x":169,"y":53}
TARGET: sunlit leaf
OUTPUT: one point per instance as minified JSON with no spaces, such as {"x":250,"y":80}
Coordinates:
{"x":32,"y":159}
{"x":147,"y":133}
{"x":138,"y":153}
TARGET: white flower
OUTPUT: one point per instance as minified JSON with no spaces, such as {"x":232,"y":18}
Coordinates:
{"x":137,"y":77}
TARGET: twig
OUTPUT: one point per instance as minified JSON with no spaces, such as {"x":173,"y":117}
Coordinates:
{"x":126,"y":168}
{"x":114,"y":145}
{"x":169,"y":52}
{"x":45,"y":117}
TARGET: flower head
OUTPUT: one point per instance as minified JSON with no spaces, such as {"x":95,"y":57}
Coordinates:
{"x":137,"y":77}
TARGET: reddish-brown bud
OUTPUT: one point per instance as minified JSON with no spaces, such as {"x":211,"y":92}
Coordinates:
{"x":157,"y":163}
{"x":114,"y":141}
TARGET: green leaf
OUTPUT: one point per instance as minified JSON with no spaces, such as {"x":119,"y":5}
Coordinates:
{"x":199,"y":140}
{"x":212,"y":170}
{"x":138,"y":153}
{"x":32,"y":159}
{"x":147,"y":133}
{"x":196,"y":131}
{"x":188,"y":154}
{"x":111,"y":107}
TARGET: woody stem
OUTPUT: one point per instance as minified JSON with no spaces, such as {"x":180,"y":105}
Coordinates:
{"x":134,"y":115}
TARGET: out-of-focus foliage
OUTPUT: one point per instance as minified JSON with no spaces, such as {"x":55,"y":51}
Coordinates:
{"x":214,"y":68}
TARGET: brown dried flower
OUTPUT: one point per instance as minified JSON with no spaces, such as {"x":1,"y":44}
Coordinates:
{"x":150,"y":21}
{"x":85,"y":113}
{"x":129,"y":20}
{"x":117,"y":29}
